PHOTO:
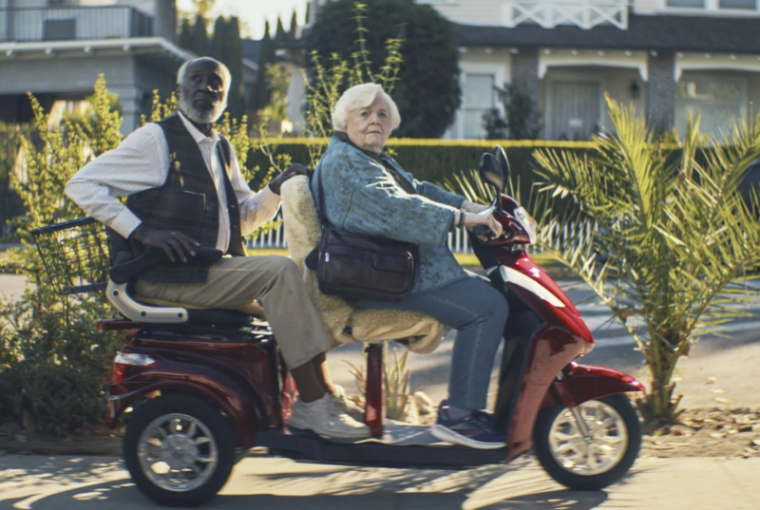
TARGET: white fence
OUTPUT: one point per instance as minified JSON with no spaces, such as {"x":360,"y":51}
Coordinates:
{"x":276,"y":238}
{"x":458,"y":240}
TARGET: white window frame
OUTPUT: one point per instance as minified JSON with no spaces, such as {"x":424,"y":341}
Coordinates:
{"x":743,"y":82}
{"x":711,"y":8}
{"x":501,"y":76}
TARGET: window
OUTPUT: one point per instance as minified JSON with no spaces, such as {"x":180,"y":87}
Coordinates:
{"x":59,"y":29}
{"x":699,"y":4}
{"x":478,"y":99}
{"x":738,"y":4}
{"x":717,"y":99}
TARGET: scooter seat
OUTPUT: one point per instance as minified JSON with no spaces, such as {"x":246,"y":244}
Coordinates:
{"x":252,"y":309}
{"x":343,"y":321}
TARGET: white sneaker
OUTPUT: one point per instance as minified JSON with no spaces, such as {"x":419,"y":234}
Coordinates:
{"x":325,"y":418}
{"x":348,"y":406}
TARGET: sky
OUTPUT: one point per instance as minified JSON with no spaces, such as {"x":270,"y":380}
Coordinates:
{"x":253,"y":13}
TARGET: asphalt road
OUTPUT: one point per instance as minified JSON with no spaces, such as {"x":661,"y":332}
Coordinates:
{"x":258,"y":482}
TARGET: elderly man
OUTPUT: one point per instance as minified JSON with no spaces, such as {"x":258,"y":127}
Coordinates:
{"x":184,"y":190}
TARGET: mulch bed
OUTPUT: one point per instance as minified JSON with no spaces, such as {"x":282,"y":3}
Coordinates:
{"x":708,"y":433}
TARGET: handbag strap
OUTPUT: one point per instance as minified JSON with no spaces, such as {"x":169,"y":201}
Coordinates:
{"x":320,"y":197}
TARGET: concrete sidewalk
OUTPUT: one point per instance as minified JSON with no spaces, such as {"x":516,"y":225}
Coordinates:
{"x":99,"y":483}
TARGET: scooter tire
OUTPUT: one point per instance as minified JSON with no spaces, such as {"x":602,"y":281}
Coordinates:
{"x":575,"y":481}
{"x":203,"y":412}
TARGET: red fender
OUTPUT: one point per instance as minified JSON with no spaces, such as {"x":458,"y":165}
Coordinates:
{"x":581,"y":383}
{"x":208,"y":384}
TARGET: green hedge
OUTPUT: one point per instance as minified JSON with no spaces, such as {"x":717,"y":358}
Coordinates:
{"x":439,"y":160}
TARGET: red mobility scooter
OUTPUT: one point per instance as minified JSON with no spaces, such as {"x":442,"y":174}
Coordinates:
{"x":204,"y":386}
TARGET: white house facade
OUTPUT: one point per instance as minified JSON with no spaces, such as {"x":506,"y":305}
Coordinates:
{"x":670,"y":58}
{"x":57,"y":49}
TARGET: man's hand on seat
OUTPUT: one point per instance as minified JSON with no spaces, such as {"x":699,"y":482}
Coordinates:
{"x":168,"y":240}
{"x":292,"y":171}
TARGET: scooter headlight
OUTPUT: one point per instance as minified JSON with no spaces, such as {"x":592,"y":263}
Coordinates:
{"x":527,"y":223}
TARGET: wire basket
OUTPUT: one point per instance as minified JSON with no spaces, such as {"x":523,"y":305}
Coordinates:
{"x":75,"y":255}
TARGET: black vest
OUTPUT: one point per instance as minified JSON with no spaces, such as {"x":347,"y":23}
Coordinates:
{"x":187,"y":202}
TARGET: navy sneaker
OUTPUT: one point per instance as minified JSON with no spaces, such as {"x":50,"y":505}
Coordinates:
{"x":475,"y":430}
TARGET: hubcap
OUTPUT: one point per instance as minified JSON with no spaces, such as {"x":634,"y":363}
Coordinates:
{"x":596,"y":453}
{"x":177,"y":452}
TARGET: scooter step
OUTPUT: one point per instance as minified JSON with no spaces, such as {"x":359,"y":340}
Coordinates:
{"x":392,"y":451}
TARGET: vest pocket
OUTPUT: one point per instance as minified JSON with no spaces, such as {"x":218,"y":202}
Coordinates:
{"x":196,"y":199}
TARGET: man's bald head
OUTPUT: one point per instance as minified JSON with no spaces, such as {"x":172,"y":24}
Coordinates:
{"x":204,"y":62}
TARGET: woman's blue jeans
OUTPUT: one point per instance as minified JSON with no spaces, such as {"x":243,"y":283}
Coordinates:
{"x":478,"y":312}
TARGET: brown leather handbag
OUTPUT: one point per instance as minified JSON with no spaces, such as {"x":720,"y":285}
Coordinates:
{"x":357,"y":266}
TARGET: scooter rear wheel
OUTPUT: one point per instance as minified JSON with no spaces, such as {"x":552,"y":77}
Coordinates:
{"x":179,"y":450}
{"x":597,"y":460}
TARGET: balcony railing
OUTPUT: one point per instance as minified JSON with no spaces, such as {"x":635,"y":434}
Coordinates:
{"x":550,"y":13}
{"x":72,"y":23}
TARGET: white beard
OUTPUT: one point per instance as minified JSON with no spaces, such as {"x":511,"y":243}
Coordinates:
{"x":198,"y":116}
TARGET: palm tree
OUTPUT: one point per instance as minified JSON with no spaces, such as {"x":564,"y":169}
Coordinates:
{"x":672,"y":238}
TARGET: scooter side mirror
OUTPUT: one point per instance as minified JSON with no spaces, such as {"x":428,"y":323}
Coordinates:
{"x":501,"y":157}
{"x":491,"y":173}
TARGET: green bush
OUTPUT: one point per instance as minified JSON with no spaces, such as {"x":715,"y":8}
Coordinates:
{"x":53,"y":361}
{"x":438,"y":161}
{"x":48,"y":398}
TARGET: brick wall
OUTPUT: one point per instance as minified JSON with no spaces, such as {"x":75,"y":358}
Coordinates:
{"x":661,"y":91}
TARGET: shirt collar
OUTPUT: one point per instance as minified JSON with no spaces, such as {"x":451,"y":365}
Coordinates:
{"x":195,"y":133}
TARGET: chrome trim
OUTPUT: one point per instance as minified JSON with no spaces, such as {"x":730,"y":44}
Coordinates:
{"x":589,"y":439}
{"x":177,"y":452}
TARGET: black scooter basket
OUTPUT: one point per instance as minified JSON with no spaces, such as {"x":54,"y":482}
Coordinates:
{"x":74,"y":255}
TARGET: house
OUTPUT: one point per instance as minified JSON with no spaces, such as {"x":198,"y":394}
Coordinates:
{"x":57,"y":49}
{"x":670,"y":58}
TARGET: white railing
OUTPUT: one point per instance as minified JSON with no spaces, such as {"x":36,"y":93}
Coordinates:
{"x":458,"y":241}
{"x":276,"y":239}
{"x":550,"y":13}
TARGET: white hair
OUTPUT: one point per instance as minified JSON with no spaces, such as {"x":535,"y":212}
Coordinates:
{"x":186,"y":104}
{"x":361,"y":96}
{"x":226,"y":76}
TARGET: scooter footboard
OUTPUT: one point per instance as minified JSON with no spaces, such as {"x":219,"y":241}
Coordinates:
{"x":581,"y":383}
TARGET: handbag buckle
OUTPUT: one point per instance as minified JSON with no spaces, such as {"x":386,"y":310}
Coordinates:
{"x":327,"y":257}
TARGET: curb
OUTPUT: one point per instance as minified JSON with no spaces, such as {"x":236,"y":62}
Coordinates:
{"x":96,"y":446}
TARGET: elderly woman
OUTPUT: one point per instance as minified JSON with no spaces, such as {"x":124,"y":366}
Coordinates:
{"x":367,"y":192}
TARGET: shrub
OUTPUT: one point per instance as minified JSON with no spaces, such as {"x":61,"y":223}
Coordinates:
{"x":53,"y":362}
{"x":437,"y":161}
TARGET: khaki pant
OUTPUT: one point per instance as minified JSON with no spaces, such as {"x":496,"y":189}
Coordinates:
{"x":273,"y":281}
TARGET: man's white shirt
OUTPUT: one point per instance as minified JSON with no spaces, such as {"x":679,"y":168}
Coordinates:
{"x":141,"y":162}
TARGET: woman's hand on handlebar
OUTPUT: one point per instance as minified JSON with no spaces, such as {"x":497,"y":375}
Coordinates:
{"x":484,"y":217}
{"x":473,"y":208}
{"x":168,"y":240}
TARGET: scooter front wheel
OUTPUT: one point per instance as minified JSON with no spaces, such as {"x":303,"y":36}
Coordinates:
{"x":593,"y":460}
{"x":179,"y":450}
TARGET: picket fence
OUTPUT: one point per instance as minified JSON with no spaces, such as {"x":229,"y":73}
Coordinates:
{"x":276,"y":238}
{"x":458,"y":242}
